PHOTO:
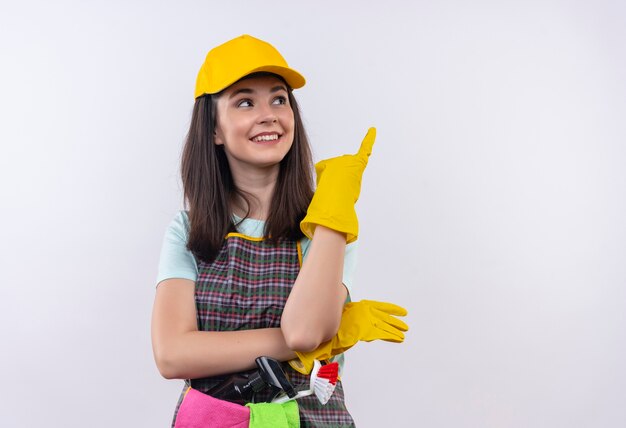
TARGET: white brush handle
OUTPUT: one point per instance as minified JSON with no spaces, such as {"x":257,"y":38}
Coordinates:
{"x":285,"y":398}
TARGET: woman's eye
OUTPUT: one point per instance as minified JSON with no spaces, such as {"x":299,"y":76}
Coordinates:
{"x":244,"y":103}
{"x":280,"y":100}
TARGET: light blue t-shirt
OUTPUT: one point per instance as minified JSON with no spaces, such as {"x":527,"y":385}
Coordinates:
{"x":178,"y":262}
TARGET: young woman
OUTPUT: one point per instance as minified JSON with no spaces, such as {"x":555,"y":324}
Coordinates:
{"x":259,"y":263}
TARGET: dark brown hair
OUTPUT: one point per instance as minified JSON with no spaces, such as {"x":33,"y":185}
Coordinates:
{"x":209,"y":187}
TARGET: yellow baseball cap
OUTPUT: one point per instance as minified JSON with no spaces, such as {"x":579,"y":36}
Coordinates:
{"x":243,"y":55}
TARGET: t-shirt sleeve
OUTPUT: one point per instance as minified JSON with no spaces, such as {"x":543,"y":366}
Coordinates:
{"x":349,"y":261}
{"x":176,"y":260}
{"x":349,"y":265}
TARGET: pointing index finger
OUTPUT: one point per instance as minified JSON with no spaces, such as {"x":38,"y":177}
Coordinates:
{"x":368,"y":142}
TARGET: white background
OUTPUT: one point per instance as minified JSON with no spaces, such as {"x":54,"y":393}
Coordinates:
{"x":493,"y":207}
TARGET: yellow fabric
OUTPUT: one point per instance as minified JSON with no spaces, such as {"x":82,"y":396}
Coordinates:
{"x":338,"y":189}
{"x":365,"y":320}
{"x":243,"y":55}
{"x":299,"y":246}
{"x":249,"y":238}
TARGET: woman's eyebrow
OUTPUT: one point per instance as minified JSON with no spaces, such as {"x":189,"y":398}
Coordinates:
{"x":241,"y":91}
{"x":278,"y":88}
{"x":251,"y":91}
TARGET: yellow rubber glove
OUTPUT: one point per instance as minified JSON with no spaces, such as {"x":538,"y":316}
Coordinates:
{"x":338,"y":189}
{"x":365,"y":320}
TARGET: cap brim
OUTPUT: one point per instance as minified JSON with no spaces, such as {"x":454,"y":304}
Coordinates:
{"x":294,"y":79}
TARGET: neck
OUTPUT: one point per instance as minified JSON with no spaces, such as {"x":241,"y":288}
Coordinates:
{"x":259,"y":184}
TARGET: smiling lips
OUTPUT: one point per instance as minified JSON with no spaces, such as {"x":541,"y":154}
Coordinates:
{"x":265,"y":137}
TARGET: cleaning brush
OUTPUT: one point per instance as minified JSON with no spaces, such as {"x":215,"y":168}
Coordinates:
{"x":325,"y":380}
{"x":322,"y":384}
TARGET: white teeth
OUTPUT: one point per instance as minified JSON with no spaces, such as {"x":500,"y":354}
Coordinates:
{"x":266,"y":137}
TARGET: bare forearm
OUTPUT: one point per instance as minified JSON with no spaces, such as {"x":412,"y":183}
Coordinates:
{"x":313,"y":311}
{"x":183,"y":352}
{"x":197,"y":354}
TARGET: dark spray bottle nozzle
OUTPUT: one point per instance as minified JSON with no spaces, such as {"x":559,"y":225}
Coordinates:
{"x":241,"y":389}
{"x":233,"y":389}
{"x":272,"y":373}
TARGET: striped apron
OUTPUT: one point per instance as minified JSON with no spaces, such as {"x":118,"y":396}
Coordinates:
{"x":246,"y":287}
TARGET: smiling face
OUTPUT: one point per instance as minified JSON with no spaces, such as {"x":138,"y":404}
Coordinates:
{"x":255,"y":123}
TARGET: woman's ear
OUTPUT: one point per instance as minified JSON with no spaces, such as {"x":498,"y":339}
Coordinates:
{"x":217,"y":137}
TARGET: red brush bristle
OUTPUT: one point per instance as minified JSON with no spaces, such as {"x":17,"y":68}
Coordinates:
{"x":329,"y":372}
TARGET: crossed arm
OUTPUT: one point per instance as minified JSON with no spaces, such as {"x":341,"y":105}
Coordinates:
{"x":311,"y":316}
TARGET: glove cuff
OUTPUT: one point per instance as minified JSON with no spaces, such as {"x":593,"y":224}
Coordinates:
{"x":300,"y":364}
{"x":342,"y":219}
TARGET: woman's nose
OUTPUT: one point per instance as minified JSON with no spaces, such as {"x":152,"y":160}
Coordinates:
{"x":267,"y":115}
